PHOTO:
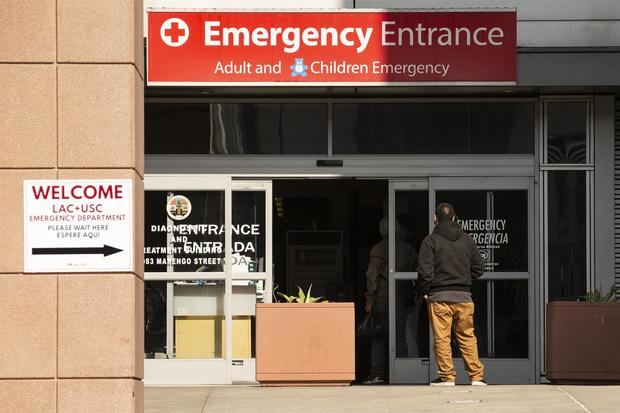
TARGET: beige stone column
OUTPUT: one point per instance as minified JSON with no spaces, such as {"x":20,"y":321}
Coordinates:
{"x":71,"y":106}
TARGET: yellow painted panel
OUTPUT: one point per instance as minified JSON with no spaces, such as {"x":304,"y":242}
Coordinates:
{"x":205,"y":337}
{"x":199,"y":337}
{"x":242,"y":337}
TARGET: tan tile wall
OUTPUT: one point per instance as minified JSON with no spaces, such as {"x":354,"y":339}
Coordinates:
{"x":100,"y":396}
{"x":71,"y":107}
{"x":99,"y":339}
{"x":97,"y":120}
{"x":28,"y":115}
{"x":28,"y":396}
{"x":28,"y":325}
{"x":28,"y":31}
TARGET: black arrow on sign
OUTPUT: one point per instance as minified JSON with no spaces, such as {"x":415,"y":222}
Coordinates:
{"x":106,"y":250}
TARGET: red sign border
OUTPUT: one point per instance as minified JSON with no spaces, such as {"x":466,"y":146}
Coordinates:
{"x":332,"y":84}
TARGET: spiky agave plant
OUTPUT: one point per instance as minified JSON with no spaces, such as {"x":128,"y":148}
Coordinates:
{"x":597,"y":295}
{"x":302,"y":298}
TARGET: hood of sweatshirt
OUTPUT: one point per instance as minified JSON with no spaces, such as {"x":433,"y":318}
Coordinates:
{"x":449,"y":230}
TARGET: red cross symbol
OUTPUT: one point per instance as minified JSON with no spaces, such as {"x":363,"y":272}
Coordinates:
{"x":174,"y":32}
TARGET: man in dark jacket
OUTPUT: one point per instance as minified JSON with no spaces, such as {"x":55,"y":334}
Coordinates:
{"x":448,"y":261}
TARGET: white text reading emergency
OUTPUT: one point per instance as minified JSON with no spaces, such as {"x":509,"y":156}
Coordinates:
{"x":292,"y":38}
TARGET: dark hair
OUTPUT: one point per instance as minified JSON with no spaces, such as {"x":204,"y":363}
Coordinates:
{"x":444,"y":212}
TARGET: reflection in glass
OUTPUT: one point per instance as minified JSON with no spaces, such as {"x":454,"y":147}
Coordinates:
{"x":501,"y":128}
{"x":412,"y":332}
{"x":155,"y":321}
{"x":510,"y":329}
{"x":235,"y":128}
{"x":566,"y":132}
{"x":433,"y":128}
{"x":248,"y":232}
{"x":412,"y":217}
{"x":505,"y":334}
{"x":480,"y":297}
{"x":192,"y":239}
{"x":498,"y":223}
{"x":566,"y":221}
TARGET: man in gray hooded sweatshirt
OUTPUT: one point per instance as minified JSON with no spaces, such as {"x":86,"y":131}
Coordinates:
{"x":448,"y":262}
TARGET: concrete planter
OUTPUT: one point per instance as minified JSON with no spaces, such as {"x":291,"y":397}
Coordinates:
{"x":305,"y":344}
{"x":583,"y":339}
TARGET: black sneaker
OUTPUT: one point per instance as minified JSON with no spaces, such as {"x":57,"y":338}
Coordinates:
{"x":373,"y":379}
{"x":440,"y":382}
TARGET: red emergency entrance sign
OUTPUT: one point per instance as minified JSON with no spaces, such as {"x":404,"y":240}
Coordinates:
{"x":331,"y":47}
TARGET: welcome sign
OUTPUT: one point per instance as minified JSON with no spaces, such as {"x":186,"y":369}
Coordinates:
{"x":351,"y":47}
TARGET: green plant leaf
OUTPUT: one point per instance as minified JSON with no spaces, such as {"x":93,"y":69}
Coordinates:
{"x":610,"y":295}
{"x":288,"y":298}
{"x":302,"y":296}
{"x":596,"y":296}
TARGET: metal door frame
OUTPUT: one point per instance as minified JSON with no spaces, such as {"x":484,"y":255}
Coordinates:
{"x":209,"y":371}
{"x":244,"y":371}
{"x":402,"y":370}
{"x":500,"y":370}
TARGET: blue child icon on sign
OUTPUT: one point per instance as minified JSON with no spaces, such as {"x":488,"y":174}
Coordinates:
{"x":299,"y":68}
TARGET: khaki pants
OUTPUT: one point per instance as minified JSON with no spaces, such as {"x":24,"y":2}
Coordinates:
{"x":442,"y":315}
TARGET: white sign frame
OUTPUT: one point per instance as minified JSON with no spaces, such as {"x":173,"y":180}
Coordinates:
{"x":78,"y":225}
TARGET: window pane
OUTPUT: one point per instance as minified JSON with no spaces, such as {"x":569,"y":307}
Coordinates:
{"x":566,"y":132}
{"x":384,"y":128}
{"x":246,"y":294}
{"x":510,"y":318}
{"x":566,"y":220}
{"x":235,"y":128}
{"x":505,"y":335}
{"x":155,"y":320}
{"x":412,"y":332}
{"x":248,"y":219}
{"x":498,"y":223}
{"x":433,"y":128}
{"x":480,"y":297}
{"x":198,"y":328}
{"x":184,"y":231}
{"x":412,"y":217}
{"x":199,"y":322}
{"x":502,"y":128}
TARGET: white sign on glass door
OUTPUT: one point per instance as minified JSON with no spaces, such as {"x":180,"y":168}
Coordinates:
{"x":78,"y":225}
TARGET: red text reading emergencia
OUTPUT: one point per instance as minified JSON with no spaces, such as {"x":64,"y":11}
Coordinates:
{"x":78,"y":192}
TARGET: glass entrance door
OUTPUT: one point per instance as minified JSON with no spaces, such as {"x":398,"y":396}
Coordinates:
{"x":409,"y":327}
{"x":498,"y":214}
{"x":252,"y":268}
{"x":207,"y":262}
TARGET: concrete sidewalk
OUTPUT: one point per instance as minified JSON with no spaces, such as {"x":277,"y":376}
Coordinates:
{"x":375,"y":399}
